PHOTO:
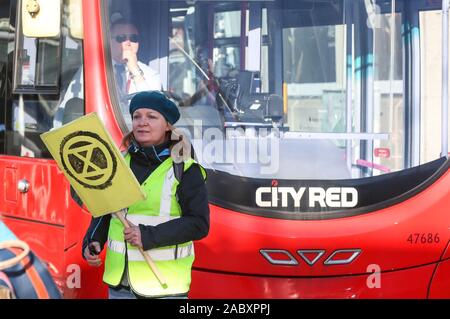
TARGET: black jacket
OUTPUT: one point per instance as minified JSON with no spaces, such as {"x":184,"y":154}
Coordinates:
{"x":192,"y":197}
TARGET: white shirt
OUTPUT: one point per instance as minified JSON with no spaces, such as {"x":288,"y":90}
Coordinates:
{"x":152,"y":80}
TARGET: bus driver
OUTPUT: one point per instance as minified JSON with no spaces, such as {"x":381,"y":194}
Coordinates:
{"x":131,"y":75}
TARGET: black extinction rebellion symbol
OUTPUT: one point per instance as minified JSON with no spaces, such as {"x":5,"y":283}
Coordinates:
{"x":88,"y":159}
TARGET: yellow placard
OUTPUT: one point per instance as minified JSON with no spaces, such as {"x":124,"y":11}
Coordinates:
{"x":94,"y":166}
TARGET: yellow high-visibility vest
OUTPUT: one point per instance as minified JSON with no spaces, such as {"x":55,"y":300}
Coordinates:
{"x":174,"y":262}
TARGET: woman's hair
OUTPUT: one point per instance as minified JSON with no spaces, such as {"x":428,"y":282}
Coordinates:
{"x":180,"y":147}
{"x":126,"y":140}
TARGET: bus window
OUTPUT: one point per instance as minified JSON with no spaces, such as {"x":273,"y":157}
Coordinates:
{"x":226,"y":52}
{"x":313,"y":71}
{"x":46,"y":94}
{"x":37,"y":62}
{"x":28,"y":75}
{"x":328,"y":87}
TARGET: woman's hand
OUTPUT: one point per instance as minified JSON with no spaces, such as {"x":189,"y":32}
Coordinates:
{"x":133,"y":236}
{"x":91,"y":257}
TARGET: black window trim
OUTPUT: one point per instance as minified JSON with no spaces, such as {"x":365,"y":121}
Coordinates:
{"x":110,"y":77}
{"x":32,"y":89}
{"x":326,"y":215}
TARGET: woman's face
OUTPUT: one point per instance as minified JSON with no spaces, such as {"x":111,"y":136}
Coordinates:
{"x":149,"y":127}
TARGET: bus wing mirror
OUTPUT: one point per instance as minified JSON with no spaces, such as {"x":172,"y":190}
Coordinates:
{"x":76,"y":19}
{"x":41,"y":19}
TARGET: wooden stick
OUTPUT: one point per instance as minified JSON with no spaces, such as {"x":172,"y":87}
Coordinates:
{"x":147,"y":258}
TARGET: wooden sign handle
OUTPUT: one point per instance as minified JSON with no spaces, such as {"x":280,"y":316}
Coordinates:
{"x":148,"y":259}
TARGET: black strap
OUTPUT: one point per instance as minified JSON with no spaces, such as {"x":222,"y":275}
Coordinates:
{"x":178,"y":169}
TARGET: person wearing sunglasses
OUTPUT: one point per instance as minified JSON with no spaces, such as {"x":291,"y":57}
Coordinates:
{"x":131,"y":75}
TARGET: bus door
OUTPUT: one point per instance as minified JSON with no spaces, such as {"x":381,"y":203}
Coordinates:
{"x":355,"y":74}
{"x":4,"y":42}
{"x":41,"y":88}
{"x":432,"y":48}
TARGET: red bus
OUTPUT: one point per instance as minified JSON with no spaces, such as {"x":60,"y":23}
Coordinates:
{"x":323,"y":125}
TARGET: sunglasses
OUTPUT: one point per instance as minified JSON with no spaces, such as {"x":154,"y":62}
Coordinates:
{"x":124,"y":37}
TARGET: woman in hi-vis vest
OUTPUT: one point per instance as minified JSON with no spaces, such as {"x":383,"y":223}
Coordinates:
{"x":164,"y":225}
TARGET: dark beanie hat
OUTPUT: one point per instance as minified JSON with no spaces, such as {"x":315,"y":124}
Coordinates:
{"x":157,"y":101}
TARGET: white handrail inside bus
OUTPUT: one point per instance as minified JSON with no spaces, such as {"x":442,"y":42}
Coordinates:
{"x":336,"y":136}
